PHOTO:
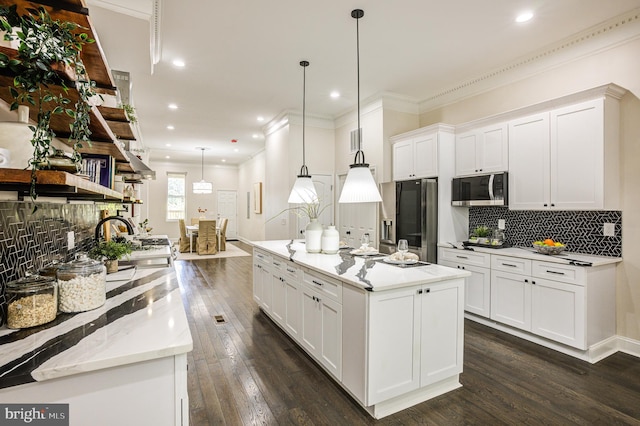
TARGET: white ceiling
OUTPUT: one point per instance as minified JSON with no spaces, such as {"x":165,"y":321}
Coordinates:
{"x":242,"y":58}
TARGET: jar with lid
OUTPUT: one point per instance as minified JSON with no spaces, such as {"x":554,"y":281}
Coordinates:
{"x":31,"y":301}
{"x":81,"y":284}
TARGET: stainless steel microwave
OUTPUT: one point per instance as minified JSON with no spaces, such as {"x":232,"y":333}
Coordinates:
{"x":481,"y":190}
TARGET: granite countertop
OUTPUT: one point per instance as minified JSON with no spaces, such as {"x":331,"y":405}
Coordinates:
{"x":368,"y":272}
{"x":529,"y":253}
{"x":142,"y":319}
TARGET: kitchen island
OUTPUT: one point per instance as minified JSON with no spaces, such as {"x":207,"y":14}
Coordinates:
{"x":391,"y":335}
{"x":122,"y":363}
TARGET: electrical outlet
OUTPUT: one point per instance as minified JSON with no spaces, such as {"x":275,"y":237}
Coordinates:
{"x":501,"y":224}
{"x":609,"y":230}
{"x":71,"y":240}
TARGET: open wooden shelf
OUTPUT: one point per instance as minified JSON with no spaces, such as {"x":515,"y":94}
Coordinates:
{"x":92,"y":54}
{"x":55,"y":183}
{"x":118,"y":122}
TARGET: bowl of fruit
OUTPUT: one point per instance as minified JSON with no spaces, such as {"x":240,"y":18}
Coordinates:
{"x":548,"y":246}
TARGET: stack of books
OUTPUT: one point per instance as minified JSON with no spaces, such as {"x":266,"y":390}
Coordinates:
{"x":100,"y":168}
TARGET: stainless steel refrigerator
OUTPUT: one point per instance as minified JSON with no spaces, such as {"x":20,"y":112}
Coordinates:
{"x":417,"y":216}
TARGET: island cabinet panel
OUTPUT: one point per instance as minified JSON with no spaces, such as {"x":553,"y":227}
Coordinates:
{"x":415,"y":338}
{"x":293,"y":308}
{"x":261,"y":275}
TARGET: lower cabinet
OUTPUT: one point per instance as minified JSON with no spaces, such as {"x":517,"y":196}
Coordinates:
{"x":477,"y":287}
{"x":261,"y":278}
{"x":415,"y":338}
{"x":321,"y":329}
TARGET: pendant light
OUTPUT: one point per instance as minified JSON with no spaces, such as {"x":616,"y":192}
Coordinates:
{"x":303,"y":190}
{"x":359,"y":186}
{"x":202,"y":187}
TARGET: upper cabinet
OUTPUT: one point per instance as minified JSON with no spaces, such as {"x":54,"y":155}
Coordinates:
{"x":566,"y":158}
{"x":483,"y":150}
{"x":415,"y":155}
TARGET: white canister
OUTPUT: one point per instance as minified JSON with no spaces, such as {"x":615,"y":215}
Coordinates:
{"x":330,"y":240}
{"x":313,"y":236}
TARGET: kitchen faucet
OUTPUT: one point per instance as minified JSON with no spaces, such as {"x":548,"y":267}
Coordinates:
{"x":106,"y":219}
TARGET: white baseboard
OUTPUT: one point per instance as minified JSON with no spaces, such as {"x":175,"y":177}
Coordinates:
{"x":629,"y":346}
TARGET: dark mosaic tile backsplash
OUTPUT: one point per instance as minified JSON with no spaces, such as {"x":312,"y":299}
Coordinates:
{"x":29,"y":241}
{"x":581,"y":231}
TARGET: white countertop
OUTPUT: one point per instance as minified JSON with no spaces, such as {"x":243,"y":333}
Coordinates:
{"x":142,"y":319}
{"x":366,"y":272}
{"x":529,"y":253}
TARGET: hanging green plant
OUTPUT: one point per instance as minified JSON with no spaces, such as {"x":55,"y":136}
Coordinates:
{"x":47,"y":46}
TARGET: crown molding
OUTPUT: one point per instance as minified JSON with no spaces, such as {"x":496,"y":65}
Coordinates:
{"x":604,"y":36}
{"x":137,"y":9}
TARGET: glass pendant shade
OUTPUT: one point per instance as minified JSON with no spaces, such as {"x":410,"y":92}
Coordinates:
{"x":360,"y":187}
{"x":202,"y":187}
{"x":303,"y":191}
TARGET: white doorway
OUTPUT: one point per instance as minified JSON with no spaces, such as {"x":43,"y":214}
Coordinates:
{"x":227,"y":207}
{"x":324,"y":188}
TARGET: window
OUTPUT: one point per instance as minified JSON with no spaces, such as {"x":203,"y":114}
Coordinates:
{"x":176,"y":195}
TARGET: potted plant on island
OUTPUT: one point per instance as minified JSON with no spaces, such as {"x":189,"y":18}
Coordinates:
{"x":110,"y":252}
{"x":47,"y":59}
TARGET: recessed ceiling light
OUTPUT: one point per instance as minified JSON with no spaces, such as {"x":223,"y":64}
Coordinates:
{"x":236,"y":150}
{"x":170,"y":127}
{"x":167,"y":156}
{"x":255,"y":136}
{"x":260,"y":118}
{"x":335,"y":94}
{"x":178,"y":63}
{"x":524,"y":16}
{"x":224,"y":161}
{"x":173,"y":106}
{"x":167,"y":144}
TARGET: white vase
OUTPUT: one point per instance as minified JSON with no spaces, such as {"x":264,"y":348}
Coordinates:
{"x":330,"y":240}
{"x":313,"y":236}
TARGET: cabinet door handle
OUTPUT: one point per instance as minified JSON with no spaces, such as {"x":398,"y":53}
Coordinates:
{"x":526,"y":280}
{"x":510,"y":265}
{"x":428,"y":290}
{"x":555,"y":272}
{"x":259,"y":267}
{"x":316,"y":283}
{"x":545,"y":204}
{"x":420,"y":291}
{"x":291,"y":270}
{"x":276,"y":263}
{"x":533,"y":282}
{"x":314,"y":298}
{"x":461,"y":257}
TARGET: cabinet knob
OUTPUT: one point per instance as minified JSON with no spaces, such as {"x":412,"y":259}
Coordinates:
{"x":428,"y":290}
{"x":553,"y":205}
{"x":420,"y":291}
{"x":533,"y":282}
{"x":545,"y":204}
{"x":526,"y":281}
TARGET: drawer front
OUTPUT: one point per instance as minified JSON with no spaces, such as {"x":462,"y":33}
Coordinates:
{"x":514,"y":265}
{"x":557,"y":272}
{"x":262,"y":257}
{"x":466,"y":257}
{"x":328,"y":286}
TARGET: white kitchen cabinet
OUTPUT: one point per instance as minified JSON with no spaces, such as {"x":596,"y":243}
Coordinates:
{"x":423,"y":343}
{"x":415,"y":157}
{"x":321,"y":329}
{"x":482,"y":151}
{"x":566,"y":158}
{"x":261,"y":277}
{"x":571,"y":305}
{"x":477,"y":287}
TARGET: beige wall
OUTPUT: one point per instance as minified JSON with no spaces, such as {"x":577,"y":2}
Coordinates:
{"x":395,"y":122}
{"x":620,"y":65}
{"x":251,"y":171}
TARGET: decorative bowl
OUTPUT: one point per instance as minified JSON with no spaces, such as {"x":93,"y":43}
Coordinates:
{"x":549,"y":249}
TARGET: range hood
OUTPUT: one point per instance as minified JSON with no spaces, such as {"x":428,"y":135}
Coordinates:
{"x":139,"y":168}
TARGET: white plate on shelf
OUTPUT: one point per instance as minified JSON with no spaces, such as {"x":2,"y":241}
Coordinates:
{"x":358,"y":252}
{"x":400,"y":262}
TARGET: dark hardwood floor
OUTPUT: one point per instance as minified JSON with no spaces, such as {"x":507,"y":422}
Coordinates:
{"x":245,"y":371}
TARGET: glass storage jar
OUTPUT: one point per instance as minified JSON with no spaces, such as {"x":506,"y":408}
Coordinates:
{"x":31,"y":301}
{"x":81,"y":284}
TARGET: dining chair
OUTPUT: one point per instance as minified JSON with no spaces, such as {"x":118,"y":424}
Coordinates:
{"x":195,"y":220}
{"x":184,"y":244}
{"x":222,"y":235}
{"x":207,"y":237}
